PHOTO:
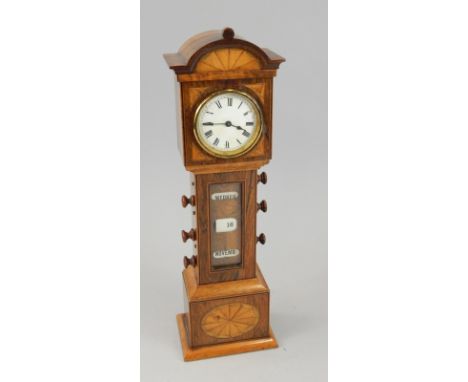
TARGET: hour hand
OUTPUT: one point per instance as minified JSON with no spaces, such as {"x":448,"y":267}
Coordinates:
{"x":238,"y":127}
{"x":212,"y":123}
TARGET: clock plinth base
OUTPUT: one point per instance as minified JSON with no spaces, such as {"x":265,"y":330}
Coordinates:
{"x":229,"y":348}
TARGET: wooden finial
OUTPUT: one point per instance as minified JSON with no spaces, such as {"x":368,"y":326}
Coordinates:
{"x":228,"y":33}
{"x":262,"y":206}
{"x":192,"y":234}
{"x":262,"y":178}
{"x":261,"y":239}
{"x":190,"y":261}
{"x":186,"y":201}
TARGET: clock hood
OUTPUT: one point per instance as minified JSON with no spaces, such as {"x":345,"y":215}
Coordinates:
{"x":194,"y":49}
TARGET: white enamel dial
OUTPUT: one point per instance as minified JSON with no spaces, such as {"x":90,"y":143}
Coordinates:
{"x":228,"y":123}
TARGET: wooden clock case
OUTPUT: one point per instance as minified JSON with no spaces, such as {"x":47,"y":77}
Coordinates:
{"x":205,"y":64}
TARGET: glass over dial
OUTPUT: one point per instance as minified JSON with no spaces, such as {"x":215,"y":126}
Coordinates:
{"x":228,"y":123}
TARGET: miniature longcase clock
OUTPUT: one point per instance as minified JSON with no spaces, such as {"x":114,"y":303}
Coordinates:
{"x":224,"y":90}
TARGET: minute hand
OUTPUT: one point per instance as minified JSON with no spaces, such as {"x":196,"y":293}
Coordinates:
{"x":213,"y":123}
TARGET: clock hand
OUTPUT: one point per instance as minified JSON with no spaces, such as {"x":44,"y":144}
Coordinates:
{"x":212,"y":123}
{"x":238,"y":127}
{"x":227,"y":123}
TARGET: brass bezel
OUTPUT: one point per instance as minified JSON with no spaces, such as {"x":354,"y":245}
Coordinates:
{"x":242,"y":150}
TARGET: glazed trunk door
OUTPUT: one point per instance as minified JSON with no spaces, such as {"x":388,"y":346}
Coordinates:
{"x":226,"y":221}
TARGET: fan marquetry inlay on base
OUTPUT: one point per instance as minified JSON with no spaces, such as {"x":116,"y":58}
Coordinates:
{"x":230,"y":320}
{"x":228,"y":59}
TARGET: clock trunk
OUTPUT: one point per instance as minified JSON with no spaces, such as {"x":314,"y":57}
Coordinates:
{"x":226,"y":216}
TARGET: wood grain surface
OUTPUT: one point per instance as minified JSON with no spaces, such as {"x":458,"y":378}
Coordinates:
{"x":219,"y":350}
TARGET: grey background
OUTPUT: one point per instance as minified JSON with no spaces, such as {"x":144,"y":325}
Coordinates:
{"x":294,"y":260}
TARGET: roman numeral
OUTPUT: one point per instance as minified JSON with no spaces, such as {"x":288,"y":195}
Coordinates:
{"x":216,"y":141}
{"x":218,"y":104}
{"x":246,"y":113}
{"x":240,"y":104}
{"x":238,"y":141}
{"x":209,"y":112}
{"x":227,"y":144}
{"x":249,"y":124}
{"x":245,"y":133}
{"x":229,"y":101}
{"x":209,"y":133}
{"x":207,"y":123}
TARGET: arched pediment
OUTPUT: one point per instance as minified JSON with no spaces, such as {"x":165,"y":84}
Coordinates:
{"x":216,"y":51}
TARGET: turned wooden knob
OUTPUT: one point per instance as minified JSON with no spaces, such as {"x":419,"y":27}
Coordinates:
{"x":261,"y":239}
{"x":186,"y":201}
{"x":262,"y":178}
{"x":189,"y":235}
{"x":190,"y":261}
{"x":262,"y":206}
